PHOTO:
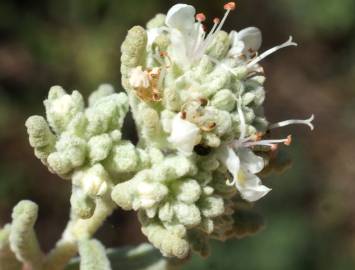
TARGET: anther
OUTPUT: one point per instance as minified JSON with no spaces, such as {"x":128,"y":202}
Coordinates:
{"x":274,"y":147}
{"x":258,"y":136}
{"x":163,"y":53}
{"x":200,"y":17}
{"x":288,"y":140}
{"x":230,"y":6}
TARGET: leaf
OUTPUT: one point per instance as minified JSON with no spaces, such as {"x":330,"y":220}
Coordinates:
{"x":143,"y":257}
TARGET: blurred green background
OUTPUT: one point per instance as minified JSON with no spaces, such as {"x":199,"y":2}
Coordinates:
{"x":310,"y":213}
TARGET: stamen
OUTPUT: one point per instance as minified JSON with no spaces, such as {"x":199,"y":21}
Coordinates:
{"x":215,"y":29}
{"x":257,"y":59}
{"x":158,"y":56}
{"x":289,"y":140}
{"x":242,"y":119}
{"x":223,"y":19}
{"x":199,"y":37}
{"x":271,"y":143}
{"x":307,"y":122}
{"x":200,"y":47}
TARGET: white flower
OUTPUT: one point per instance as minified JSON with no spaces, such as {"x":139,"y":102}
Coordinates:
{"x":180,"y":21}
{"x":184,"y":135}
{"x":246,"y":41}
{"x":188,"y":38}
{"x":243,"y":164}
{"x":139,"y":78}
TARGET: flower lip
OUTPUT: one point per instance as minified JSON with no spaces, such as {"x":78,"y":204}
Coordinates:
{"x":251,"y":37}
{"x":243,"y":164}
{"x":184,"y":135}
{"x":181,"y":16}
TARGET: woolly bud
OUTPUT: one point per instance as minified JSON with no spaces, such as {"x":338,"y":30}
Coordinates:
{"x":212,"y":206}
{"x":40,"y":136}
{"x":224,"y":100}
{"x":220,"y":45}
{"x":149,"y":194}
{"x":94,"y":181}
{"x":187,"y":214}
{"x":102,"y":91}
{"x":187,"y":191}
{"x":169,"y":244}
{"x":99,"y":147}
{"x":62,"y":107}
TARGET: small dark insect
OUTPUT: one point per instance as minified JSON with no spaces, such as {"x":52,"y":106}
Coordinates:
{"x":202,"y":150}
{"x":203,"y":101}
{"x":183,"y":114}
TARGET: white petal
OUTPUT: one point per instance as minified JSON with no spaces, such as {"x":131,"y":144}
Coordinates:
{"x":178,"y":48}
{"x":250,"y":161}
{"x":184,"y":135}
{"x":181,"y":16}
{"x":229,"y":159}
{"x":236,"y":41}
{"x":139,"y":78}
{"x":250,"y":187}
{"x":251,"y":37}
{"x":152,"y":34}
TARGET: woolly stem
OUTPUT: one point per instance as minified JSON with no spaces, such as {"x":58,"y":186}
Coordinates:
{"x":23,"y":239}
{"x":77,"y":229}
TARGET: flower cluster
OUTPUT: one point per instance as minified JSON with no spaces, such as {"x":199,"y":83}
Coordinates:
{"x":197,"y":101}
{"x":85,"y":144}
{"x":198,"y":95}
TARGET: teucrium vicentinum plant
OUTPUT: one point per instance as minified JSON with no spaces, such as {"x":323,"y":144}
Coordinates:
{"x":197,"y":102}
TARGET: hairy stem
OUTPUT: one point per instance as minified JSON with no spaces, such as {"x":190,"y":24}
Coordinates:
{"x":77,"y":229}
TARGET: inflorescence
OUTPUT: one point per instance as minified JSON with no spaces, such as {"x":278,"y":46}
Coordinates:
{"x":196,"y":97}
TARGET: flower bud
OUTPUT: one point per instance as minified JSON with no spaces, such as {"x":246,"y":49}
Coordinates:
{"x":224,"y":100}
{"x":94,"y":181}
{"x":62,"y":107}
{"x":99,"y":147}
